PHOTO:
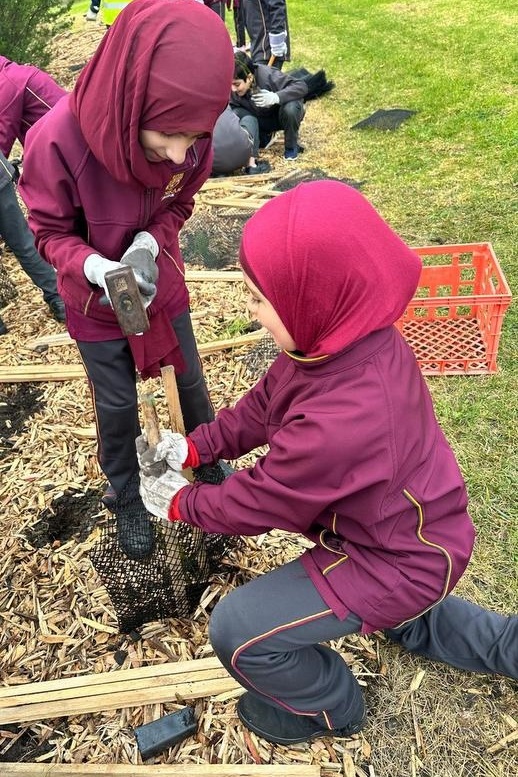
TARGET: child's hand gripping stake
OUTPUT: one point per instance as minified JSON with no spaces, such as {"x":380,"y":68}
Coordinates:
{"x":158,"y":454}
{"x":162,"y":475}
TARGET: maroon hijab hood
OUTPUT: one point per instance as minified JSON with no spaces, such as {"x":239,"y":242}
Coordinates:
{"x":164,"y":65}
{"x":333,"y":270}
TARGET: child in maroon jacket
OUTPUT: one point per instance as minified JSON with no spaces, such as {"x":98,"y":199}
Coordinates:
{"x":273,"y":99}
{"x":26,"y":94}
{"x":357,"y":463}
{"x":109,"y":177}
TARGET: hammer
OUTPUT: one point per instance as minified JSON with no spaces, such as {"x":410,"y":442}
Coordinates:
{"x":126,"y":301}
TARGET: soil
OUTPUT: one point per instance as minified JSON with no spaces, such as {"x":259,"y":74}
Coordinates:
{"x":26,"y":745}
{"x":71,"y":515}
{"x":18,"y":402}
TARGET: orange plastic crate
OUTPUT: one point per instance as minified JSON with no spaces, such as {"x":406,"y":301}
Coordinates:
{"x":454,"y":321}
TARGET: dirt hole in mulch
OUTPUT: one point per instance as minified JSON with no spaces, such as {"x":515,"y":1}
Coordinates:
{"x":17,"y":404}
{"x":70,"y":515}
{"x":27,"y":747}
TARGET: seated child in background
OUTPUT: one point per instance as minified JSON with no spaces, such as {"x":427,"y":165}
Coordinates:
{"x":275,"y":99}
{"x":235,"y":143}
{"x":357,"y":463}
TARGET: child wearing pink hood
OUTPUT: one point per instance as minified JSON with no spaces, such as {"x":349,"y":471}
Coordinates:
{"x":109,"y":177}
{"x":357,"y":464}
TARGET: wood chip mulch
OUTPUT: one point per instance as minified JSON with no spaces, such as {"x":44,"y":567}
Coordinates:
{"x":56,"y":619}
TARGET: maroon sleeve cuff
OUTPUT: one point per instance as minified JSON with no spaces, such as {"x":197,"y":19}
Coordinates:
{"x":193,"y":457}
{"x":173,"y":514}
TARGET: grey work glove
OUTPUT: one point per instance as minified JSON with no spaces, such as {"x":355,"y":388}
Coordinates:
{"x":158,"y":492}
{"x":265,"y":99}
{"x":278,"y":44}
{"x":141,"y":256}
{"x":171,"y":449}
{"x":95,"y":268}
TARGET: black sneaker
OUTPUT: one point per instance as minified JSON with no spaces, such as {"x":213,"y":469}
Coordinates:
{"x":135,"y":531}
{"x":57,"y":310}
{"x":3,"y":328}
{"x":109,"y":497}
{"x":283,"y":727}
{"x":261,"y":166}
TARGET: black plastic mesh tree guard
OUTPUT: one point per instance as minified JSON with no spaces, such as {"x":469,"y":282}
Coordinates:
{"x":259,"y":359}
{"x":311,"y":174}
{"x":169,"y":582}
{"x":211,"y":238}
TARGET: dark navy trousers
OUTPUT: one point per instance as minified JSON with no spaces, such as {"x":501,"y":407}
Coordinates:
{"x":112,"y":377}
{"x":268,"y":635}
{"x":19,"y":238}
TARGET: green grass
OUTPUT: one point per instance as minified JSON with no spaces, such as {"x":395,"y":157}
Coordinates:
{"x":78,"y":9}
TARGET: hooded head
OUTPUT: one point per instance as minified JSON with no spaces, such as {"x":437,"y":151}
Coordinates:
{"x":165,"y":65}
{"x":332,"y":268}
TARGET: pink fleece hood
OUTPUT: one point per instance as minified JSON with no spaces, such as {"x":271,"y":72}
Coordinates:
{"x":329,"y":264}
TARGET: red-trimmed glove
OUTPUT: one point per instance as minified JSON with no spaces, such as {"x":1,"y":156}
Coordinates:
{"x":177,"y":451}
{"x":158,"y":492}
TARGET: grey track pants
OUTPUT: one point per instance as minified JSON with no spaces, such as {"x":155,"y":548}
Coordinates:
{"x":267,"y":633}
{"x":17,"y":235}
{"x":112,"y":377}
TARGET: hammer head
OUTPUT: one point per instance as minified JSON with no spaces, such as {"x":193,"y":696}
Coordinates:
{"x":126,"y":301}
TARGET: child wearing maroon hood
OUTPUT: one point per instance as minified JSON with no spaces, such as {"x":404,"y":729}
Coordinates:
{"x":109,"y":178}
{"x":357,"y":464}
{"x":26,"y":94}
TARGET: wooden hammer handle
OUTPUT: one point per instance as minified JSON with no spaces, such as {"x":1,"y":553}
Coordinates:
{"x":172,"y":399}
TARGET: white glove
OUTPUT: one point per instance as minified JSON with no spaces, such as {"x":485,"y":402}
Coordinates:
{"x":157,"y":493}
{"x":141,"y":257}
{"x":96,"y":267}
{"x":265,"y":99}
{"x":172,"y":449}
{"x":278,"y":45}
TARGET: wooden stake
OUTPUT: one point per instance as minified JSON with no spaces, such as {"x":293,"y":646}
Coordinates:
{"x":151,"y":423}
{"x":234,"y":342}
{"x":213,"y":275}
{"x":159,"y":770}
{"x":228,"y":181}
{"x":114,"y":690}
{"x":35,"y":373}
{"x":172,"y":399}
{"x":214,"y":344}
